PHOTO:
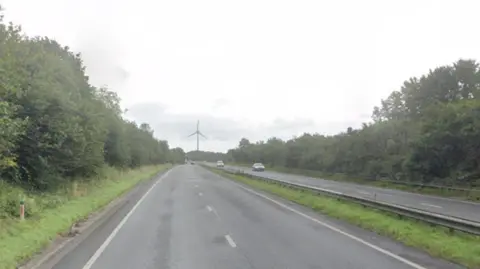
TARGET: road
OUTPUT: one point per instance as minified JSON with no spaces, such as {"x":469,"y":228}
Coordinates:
{"x":192,"y":218}
{"x":446,"y":206}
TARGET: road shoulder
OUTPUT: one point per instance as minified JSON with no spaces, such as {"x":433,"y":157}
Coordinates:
{"x":102,"y":219}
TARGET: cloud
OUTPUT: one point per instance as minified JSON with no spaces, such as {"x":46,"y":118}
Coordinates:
{"x":222,"y":133}
{"x":104,"y":55}
{"x":178,"y":127}
{"x":273,"y":70}
{"x":220,"y":103}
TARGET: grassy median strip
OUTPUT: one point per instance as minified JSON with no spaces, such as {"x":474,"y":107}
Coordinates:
{"x":458,"y":247}
{"x":54,"y":213}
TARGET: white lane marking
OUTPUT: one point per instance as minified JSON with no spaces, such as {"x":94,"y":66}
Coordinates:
{"x":200,"y":193}
{"x":196,"y":186}
{"x":230,"y":241}
{"x":379,"y":249}
{"x":364,"y":192}
{"x":436,"y":206}
{"x":105,"y":244}
{"x":211,"y":209}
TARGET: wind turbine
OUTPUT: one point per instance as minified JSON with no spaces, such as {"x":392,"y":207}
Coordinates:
{"x":198,"y":133}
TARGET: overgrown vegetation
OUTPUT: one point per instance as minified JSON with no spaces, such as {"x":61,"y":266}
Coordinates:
{"x":428,"y":131}
{"x":55,"y":126}
{"x":64,"y":146}
{"x":458,"y":247}
{"x":52,"y":213}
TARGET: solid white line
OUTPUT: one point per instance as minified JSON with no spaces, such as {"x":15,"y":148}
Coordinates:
{"x":105,"y":244}
{"x":381,"y":250}
{"x":230,"y":241}
{"x":209,"y":208}
{"x":436,"y":206}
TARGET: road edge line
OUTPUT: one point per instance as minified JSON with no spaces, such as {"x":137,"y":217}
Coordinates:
{"x":96,"y":219}
{"x":329,"y":226}
{"x":112,"y":235}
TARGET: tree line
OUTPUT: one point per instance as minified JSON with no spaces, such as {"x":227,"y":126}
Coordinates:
{"x":54,"y":125}
{"x":427,"y":131}
{"x":205,"y":156}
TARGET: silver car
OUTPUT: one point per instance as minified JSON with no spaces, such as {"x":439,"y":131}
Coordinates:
{"x":258,"y":167}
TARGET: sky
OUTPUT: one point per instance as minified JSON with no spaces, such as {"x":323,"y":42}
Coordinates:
{"x":253,"y":69}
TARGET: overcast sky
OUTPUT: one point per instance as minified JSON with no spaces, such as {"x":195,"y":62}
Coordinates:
{"x":253,"y":69}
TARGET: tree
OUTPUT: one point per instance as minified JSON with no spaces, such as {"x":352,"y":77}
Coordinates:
{"x":428,"y":130}
{"x":10,"y":132}
{"x":206,"y":156}
{"x":54,"y":125}
{"x":177,"y":155}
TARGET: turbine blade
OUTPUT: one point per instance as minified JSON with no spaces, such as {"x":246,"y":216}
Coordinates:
{"x":201,"y":134}
{"x":192,"y":134}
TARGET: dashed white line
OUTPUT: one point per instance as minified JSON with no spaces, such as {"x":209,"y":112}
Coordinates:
{"x":230,"y":241}
{"x":335,"y":229}
{"x":200,"y":194}
{"x":211,"y":209}
{"x":105,"y":244}
{"x":196,"y":186}
{"x":436,"y":206}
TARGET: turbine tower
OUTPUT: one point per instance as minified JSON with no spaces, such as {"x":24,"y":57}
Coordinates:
{"x":198,"y":133}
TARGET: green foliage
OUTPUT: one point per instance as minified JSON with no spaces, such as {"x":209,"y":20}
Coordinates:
{"x":428,"y":131}
{"x":205,"y":156}
{"x":11,"y":129}
{"x":50,"y":214}
{"x":177,"y":155}
{"x":54,"y":125}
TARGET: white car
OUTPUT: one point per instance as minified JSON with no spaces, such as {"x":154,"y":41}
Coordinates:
{"x":220,"y":164}
{"x":258,"y":167}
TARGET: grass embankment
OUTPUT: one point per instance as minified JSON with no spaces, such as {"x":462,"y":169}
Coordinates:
{"x":458,"y":247}
{"x":472,"y":195}
{"x":48,"y":215}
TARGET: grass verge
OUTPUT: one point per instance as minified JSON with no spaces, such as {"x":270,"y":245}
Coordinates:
{"x":473,"y":195}
{"x":52,"y":214}
{"x":460,"y":248}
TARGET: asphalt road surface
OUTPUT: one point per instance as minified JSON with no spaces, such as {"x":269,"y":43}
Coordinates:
{"x":446,"y":206}
{"x":192,"y":218}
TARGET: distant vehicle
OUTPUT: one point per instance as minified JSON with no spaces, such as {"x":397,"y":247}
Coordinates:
{"x":258,"y":167}
{"x":192,"y":162}
{"x":220,"y":164}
